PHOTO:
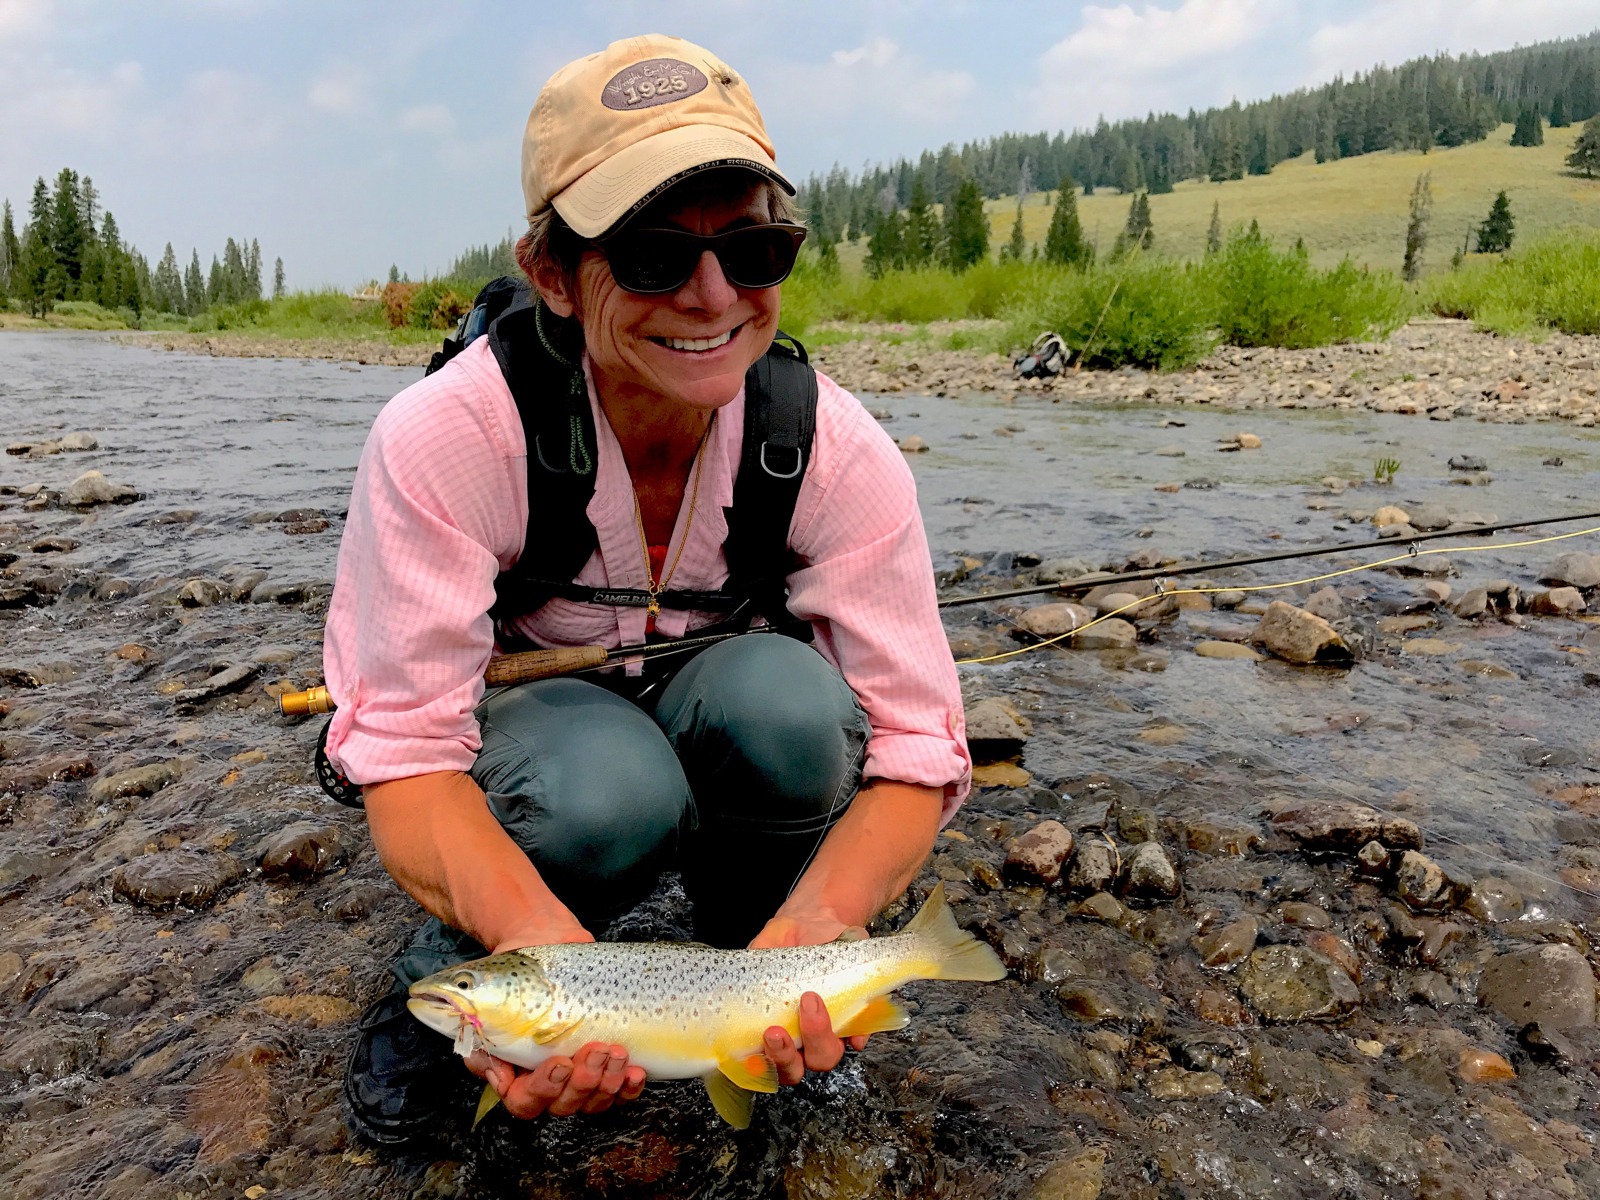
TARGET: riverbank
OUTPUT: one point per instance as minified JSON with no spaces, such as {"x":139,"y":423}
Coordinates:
{"x":1442,"y":369}
{"x":1274,"y":929}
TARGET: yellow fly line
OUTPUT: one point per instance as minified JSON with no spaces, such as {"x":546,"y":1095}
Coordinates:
{"x":1161,"y":592}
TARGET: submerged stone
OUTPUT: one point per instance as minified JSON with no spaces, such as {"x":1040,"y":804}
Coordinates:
{"x":1291,"y":983}
{"x":167,"y":878}
{"x":1552,"y":985}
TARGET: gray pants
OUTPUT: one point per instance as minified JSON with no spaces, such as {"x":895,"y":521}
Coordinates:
{"x":733,"y":775}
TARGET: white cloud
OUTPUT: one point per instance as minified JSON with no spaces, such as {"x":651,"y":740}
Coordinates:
{"x":1393,"y":33}
{"x":431,"y":120}
{"x":23,"y":17}
{"x":1123,"y":61}
{"x":342,"y":91}
{"x":879,"y":52}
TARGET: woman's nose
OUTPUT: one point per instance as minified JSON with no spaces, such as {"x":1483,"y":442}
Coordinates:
{"x":708,"y":288}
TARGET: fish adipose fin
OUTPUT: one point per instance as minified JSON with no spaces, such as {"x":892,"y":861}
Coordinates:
{"x":955,"y":953}
{"x":486,"y":1103}
{"x":881,"y":1015}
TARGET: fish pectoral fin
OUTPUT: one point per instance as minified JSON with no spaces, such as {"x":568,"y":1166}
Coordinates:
{"x":544,"y":1032}
{"x":486,"y":1103}
{"x":733,"y":1104}
{"x":752,"y":1072}
{"x":881,"y":1015}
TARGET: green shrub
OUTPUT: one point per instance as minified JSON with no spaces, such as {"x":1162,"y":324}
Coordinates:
{"x":437,"y":305}
{"x":1553,"y":283}
{"x":1267,"y":297}
{"x":1142,"y":312}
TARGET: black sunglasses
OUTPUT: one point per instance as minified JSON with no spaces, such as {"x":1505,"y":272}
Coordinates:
{"x":650,"y":262}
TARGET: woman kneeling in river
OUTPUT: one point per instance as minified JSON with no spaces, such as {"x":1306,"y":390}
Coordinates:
{"x":797,"y":784}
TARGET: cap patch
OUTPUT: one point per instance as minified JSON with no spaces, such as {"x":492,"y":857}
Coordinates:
{"x":652,"y":82}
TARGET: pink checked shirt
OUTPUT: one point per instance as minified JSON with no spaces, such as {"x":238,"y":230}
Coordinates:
{"x":440,"y":507}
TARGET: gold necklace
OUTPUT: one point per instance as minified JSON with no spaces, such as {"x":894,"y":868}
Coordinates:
{"x":653,"y":607}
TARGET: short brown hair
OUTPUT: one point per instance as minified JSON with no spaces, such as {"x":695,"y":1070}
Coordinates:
{"x":551,"y":243}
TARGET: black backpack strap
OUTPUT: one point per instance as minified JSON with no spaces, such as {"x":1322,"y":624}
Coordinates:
{"x":493,"y":299}
{"x":780,"y":419}
{"x":540,"y":355}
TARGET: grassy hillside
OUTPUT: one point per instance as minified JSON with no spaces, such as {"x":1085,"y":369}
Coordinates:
{"x":1356,"y":206}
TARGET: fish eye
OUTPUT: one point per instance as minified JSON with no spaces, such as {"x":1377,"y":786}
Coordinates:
{"x":464,"y":980}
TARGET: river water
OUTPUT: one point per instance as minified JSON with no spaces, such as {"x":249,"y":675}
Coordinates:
{"x":198,"y":1050}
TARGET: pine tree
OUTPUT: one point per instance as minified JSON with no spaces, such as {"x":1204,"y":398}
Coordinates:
{"x":277,"y":279}
{"x":112,"y":274}
{"x":89,"y":207}
{"x":1498,"y":228}
{"x":1138,"y":233}
{"x":966,"y":227}
{"x":1063,"y":242}
{"x":1530,"y":128}
{"x":36,"y":257}
{"x":886,"y":248}
{"x":216,"y":287}
{"x":1585,"y":154}
{"x":922,"y":228}
{"x":252,"y":271}
{"x":394,"y":273}
{"x":1558,"y":113}
{"x":166,"y":285}
{"x":10,"y":252}
{"x":233,"y":273}
{"x":1214,"y":231}
{"x":194,"y":286}
{"x":1016,"y":248}
{"x":67,"y":236}
{"x":1417,"y":226}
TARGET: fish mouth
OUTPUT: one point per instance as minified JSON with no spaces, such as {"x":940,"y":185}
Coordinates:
{"x":444,"y":1012}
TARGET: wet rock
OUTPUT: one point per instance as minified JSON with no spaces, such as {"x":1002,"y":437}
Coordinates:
{"x":1299,"y":637}
{"x":1493,"y":900}
{"x":1548,"y":1045}
{"x":1390,"y":515}
{"x":1552,"y":985}
{"x":1102,"y":906}
{"x":1227,"y":650}
{"x":236,"y":1105}
{"x":1304,"y":916}
{"x":200,"y":593}
{"x":1468,"y":462}
{"x":1477,"y":1065}
{"x":136,"y":781}
{"x":1230,"y":944}
{"x":1093,"y":867}
{"x":1000,"y":775}
{"x":1341,"y":826}
{"x":1373,"y":857}
{"x":1327,"y":604}
{"x":1100,"y":1000}
{"x":1420,"y":881}
{"x":1574,"y":570}
{"x":1054,"y":620}
{"x":87,"y":986}
{"x":1336,"y":950}
{"x":995,"y":729}
{"x":1080,"y":1177}
{"x":1149,"y":875}
{"x":1472,"y":604}
{"x":314,"y":1010}
{"x":167,"y":878}
{"x":54,"y":545}
{"x":301,"y":851}
{"x":1429,"y":517}
{"x":278,"y":593}
{"x":1432,"y":989}
{"x":229,"y":679}
{"x":77,"y":442}
{"x":1112,"y":634}
{"x":1221,"y":837}
{"x":913,"y":444}
{"x":1053,"y":964}
{"x":1174,"y":1083}
{"x":1557,"y":602}
{"x":92,"y":488}
{"x":1484,"y":669}
{"x":1291,"y":983}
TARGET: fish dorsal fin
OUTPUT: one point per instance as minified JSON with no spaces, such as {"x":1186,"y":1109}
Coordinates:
{"x":733,"y":1104}
{"x":881,"y":1015}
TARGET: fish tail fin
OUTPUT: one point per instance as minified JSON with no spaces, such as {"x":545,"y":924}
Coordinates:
{"x":955,"y":953}
{"x":486,"y":1103}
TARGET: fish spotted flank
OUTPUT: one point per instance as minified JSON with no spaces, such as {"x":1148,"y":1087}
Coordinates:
{"x":685,"y":1011}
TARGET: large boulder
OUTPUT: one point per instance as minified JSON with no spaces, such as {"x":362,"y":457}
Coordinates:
{"x":92,"y":488}
{"x":1550,"y":984}
{"x":1574,"y":570}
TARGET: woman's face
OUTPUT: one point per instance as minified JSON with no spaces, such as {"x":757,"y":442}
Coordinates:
{"x":638,"y":345}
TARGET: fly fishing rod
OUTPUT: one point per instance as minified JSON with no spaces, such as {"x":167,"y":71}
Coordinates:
{"x":530,"y":665}
{"x":1084,"y":583}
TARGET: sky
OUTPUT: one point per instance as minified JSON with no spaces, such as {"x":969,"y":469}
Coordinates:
{"x":349,"y":136}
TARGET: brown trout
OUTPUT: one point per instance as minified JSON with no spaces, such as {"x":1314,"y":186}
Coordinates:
{"x":685,"y":1011}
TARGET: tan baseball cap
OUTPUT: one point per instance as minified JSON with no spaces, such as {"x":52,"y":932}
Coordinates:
{"x":611,"y":132}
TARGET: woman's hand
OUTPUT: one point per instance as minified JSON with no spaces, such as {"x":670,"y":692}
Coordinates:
{"x":819,"y":1048}
{"x":591,"y":1081}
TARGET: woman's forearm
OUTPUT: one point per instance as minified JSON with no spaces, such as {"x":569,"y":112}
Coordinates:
{"x":438,"y":839}
{"x":871,"y":854}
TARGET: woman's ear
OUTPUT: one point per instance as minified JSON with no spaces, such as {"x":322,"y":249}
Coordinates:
{"x":556,"y":290}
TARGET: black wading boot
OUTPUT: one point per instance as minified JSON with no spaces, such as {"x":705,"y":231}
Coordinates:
{"x":402,"y":1078}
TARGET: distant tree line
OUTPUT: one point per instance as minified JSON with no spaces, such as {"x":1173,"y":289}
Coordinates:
{"x":1427,"y":102}
{"x":71,"y":249}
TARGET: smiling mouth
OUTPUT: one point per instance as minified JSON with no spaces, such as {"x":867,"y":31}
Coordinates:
{"x":698,"y":345}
